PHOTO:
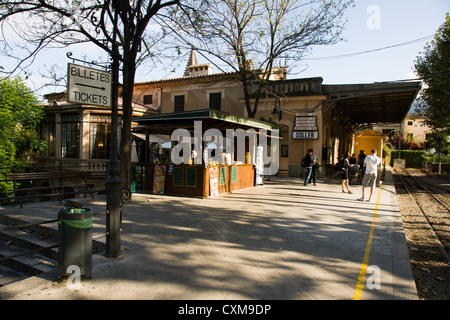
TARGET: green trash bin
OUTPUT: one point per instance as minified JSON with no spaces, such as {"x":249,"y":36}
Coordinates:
{"x":74,"y":240}
{"x":133,"y":179}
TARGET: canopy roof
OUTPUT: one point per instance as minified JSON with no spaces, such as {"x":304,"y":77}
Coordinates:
{"x":373,"y":103}
{"x":167,"y":122}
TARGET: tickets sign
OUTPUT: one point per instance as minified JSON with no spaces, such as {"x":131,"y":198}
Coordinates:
{"x":89,"y":86}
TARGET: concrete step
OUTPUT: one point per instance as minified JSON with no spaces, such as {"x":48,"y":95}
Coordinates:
{"x":8,"y":276}
{"x":30,"y":264}
{"x":21,"y":286}
{"x":15,"y":243}
{"x":39,"y":238}
{"x":27,"y":239}
{"x":49,"y":230}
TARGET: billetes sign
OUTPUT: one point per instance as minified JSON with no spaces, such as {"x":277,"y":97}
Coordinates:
{"x":89,"y":86}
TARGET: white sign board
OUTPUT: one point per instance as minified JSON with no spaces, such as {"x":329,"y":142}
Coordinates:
{"x":305,"y":135}
{"x":259,"y":165}
{"x":88,"y":86}
{"x":305,"y":122}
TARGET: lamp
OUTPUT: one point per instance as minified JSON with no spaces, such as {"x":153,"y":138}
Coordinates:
{"x":277,"y":108}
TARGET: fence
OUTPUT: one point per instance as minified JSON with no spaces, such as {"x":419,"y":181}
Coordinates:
{"x":35,"y":184}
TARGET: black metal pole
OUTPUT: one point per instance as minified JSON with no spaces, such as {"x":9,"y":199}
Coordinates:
{"x":113,"y":181}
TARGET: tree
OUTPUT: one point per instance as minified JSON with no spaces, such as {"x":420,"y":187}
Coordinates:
{"x":44,"y":23}
{"x":258,"y":38}
{"x":439,"y":140}
{"x":20,"y":114}
{"x":433,"y":66}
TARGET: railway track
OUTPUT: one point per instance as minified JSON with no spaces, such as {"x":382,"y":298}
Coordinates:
{"x":433,"y":205}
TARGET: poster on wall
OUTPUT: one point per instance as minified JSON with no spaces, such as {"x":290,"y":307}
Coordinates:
{"x":259,"y":165}
{"x":159,"y":179}
{"x":214,"y":181}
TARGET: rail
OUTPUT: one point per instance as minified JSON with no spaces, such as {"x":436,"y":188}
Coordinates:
{"x":420,"y":209}
{"x":54,"y":184}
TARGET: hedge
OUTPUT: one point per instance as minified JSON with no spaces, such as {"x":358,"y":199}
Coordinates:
{"x":413,"y":158}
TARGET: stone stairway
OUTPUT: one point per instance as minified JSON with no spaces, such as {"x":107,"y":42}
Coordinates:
{"x":23,"y":270}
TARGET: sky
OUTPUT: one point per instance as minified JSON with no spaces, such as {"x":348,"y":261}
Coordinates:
{"x":372,"y":25}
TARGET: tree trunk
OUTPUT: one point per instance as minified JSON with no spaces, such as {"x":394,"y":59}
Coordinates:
{"x":126,"y":137}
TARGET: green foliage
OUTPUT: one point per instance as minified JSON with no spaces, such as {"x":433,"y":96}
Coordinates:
{"x":413,"y":158}
{"x":433,"y":65}
{"x":20,"y":114}
{"x":387,"y":151}
{"x":406,"y":142}
{"x":438,"y":140}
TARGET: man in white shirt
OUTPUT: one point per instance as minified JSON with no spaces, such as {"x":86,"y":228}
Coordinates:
{"x":371,"y":164}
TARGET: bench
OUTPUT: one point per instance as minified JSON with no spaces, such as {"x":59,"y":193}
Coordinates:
{"x":60,"y":183}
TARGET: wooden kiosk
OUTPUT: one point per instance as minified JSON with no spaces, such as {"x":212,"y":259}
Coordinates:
{"x":205,"y":180}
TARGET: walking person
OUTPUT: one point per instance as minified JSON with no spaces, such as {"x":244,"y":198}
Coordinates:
{"x":345,"y":165}
{"x":307,"y":164}
{"x":315,"y":165}
{"x":361,"y":157}
{"x":371,"y":164}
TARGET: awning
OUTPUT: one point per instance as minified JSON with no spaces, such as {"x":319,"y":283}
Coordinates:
{"x":165,"y":123}
{"x":387,"y":102}
{"x":152,"y":138}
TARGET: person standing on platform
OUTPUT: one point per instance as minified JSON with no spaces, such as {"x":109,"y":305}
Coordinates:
{"x":361,"y":157}
{"x":307,"y":164}
{"x":315,"y":165}
{"x":344,"y":172}
{"x":371,"y":164}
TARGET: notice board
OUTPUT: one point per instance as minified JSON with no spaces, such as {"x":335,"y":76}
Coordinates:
{"x":223,"y":175}
{"x":178,"y":176}
{"x":159,"y":179}
{"x":214,"y":181}
{"x":233,"y":174}
{"x":191,"y":177}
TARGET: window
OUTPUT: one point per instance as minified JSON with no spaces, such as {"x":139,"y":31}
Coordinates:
{"x":179,"y":104}
{"x":148,"y":99}
{"x":70,"y":144}
{"x":215,"y":100}
{"x":47,"y":133}
{"x":410,"y":123}
{"x":100,"y":136}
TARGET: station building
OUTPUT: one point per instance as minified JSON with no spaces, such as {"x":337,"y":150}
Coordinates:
{"x":308,"y":114}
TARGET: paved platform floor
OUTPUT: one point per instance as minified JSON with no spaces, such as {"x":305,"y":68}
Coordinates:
{"x":278,"y":241}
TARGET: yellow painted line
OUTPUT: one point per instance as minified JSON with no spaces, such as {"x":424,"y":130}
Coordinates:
{"x":363,"y":271}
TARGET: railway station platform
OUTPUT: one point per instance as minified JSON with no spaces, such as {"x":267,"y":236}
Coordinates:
{"x":280,"y":241}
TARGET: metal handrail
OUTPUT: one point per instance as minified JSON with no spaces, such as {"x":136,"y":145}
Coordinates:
{"x":45,"y":248}
{"x":27,"y":225}
{"x":26,"y":253}
{"x":19,"y":226}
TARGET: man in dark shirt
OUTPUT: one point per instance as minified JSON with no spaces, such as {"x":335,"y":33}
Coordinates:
{"x":308,"y":163}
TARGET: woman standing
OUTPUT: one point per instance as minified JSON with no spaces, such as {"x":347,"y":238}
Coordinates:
{"x":344,"y":171}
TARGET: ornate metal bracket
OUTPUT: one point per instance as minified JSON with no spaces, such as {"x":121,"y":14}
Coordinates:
{"x":104,"y":65}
